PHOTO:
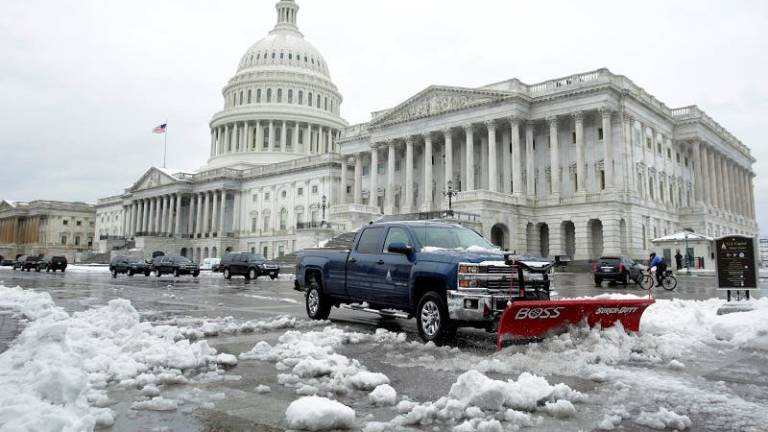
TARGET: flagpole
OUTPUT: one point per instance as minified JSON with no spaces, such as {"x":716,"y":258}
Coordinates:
{"x":165,"y":142}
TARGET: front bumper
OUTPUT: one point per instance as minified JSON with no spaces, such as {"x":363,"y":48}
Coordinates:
{"x":480,"y":305}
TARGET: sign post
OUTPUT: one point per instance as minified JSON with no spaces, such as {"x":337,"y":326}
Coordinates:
{"x":736,"y":263}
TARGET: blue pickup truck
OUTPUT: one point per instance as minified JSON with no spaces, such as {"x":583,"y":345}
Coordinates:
{"x":445,"y":275}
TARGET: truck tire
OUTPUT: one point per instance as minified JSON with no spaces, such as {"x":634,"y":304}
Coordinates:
{"x":318,"y":306}
{"x":252,"y":274}
{"x":432,"y":319}
{"x":227,"y":274}
{"x":114,"y":273}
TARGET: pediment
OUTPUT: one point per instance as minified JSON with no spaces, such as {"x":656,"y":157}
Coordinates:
{"x":152,"y":179}
{"x":437,"y":100}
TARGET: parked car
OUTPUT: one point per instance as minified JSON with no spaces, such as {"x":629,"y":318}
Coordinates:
{"x":249,"y":265}
{"x":445,"y":275}
{"x":26,"y":262}
{"x":620,"y":269}
{"x":175,"y":265}
{"x":210,"y":263}
{"x":7,"y":263}
{"x":129,"y":265}
{"x":52,"y":263}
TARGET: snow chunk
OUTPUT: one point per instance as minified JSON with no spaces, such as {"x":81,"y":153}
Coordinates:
{"x":383,"y":394}
{"x":226,"y":359}
{"x":318,"y":414}
{"x":560,"y":409}
{"x":664,"y":419}
{"x":155,"y":404}
{"x":365,"y":380}
{"x":676,"y":365}
{"x":261,"y":388}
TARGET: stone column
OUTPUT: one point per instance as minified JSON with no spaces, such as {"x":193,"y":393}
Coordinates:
{"x":607,"y":148}
{"x":152,"y":210}
{"x":517,"y":167}
{"x":748,"y":200}
{"x":713,"y":199}
{"x":427,"y":201}
{"x":554,"y":157}
{"x":170,"y":212}
{"x":271,"y":142}
{"x":177,"y":225}
{"x":506,"y":166}
{"x":308,"y":140}
{"x":698,"y":180}
{"x":373,"y":177}
{"x":343,"y":191}
{"x":160,"y":214}
{"x":191,"y":215}
{"x":448,"y":158}
{"x":530,"y":157}
{"x":389,"y":199}
{"x":295,"y":137}
{"x":469,"y":175}
{"x":259,"y":137}
{"x":207,"y":224}
{"x":222,"y":211}
{"x":493,"y":175}
{"x":283,"y":136}
{"x":237,"y":211}
{"x":578,"y":119}
{"x":247,"y":146}
{"x":199,"y":217}
{"x":408,"y":197}
{"x":358,"y":184}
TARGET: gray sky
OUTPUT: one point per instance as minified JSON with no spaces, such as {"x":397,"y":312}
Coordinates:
{"x":82,"y":83}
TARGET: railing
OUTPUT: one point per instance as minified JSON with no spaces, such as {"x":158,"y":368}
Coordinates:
{"x":433,"y":215}
{"x":556,"y":84}
{"x":110,"y":237}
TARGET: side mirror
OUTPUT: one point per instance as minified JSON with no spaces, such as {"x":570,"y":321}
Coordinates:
{"x":400,"y":248}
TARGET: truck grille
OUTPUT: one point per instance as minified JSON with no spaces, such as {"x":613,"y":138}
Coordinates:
{"x":502,"y":269}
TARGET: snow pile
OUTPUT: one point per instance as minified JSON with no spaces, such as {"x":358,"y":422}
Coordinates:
{"x":155,"y":404}
{"x":480,"y":403}
{"x":198,"y":328}
{"x":54,"y":375}
{"x":318,"y":414}
{"x":310,"y":364}
{"x":664,"y":419}
{"x":383,"y":394}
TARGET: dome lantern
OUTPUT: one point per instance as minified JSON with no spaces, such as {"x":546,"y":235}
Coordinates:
{"x":286,"y":15}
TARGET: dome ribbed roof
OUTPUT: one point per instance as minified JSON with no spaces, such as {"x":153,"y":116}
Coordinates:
{"x":285,"y":46}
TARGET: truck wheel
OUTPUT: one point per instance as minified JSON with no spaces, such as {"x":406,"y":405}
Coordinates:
{"x":114,"y":273}
{"x":130,"y":273}
{"x":176,"y":273}
{"x":157,"y":272}
{"x":252,"y":274}
{"x":318,"y":306}
{"x":432,"y":319}
{"x":227,"y":274}
{"x":598,"y":282}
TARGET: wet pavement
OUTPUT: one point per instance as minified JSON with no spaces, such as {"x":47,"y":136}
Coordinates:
{"x":243,"y":408}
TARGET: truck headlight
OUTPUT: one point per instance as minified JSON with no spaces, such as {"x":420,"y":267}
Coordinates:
{"x":464,"y":268}
{"x":467,"y":283}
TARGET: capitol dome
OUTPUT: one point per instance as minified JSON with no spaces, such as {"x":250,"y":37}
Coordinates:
{"x":281,"y":104}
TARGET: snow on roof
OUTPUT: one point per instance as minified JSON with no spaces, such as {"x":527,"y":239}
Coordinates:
{"x":681,"y":236}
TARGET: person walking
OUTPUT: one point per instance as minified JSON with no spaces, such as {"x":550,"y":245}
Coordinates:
{"x":679,"y":260}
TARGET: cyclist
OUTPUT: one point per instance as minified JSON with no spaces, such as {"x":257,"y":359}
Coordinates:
{"x":657,"y":265}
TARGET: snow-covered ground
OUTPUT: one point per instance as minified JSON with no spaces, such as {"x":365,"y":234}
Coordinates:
{"x":61,"y":371}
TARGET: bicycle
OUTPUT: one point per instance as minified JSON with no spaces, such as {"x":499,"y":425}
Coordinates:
{"x":668,"y":280}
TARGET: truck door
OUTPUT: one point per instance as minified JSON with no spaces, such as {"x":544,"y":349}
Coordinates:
{"x":396,"y":271}
{"x":364,"y":263}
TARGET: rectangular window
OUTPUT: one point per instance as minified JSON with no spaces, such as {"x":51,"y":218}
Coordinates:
{"x":370,"y":241}
{"x":314,"y":189}
{"x":599,"y":134}
{"x":77,"y":240}
{"x":254,"y":224}
{"x":266,"y":196}
{"x":686,"y":161}
{"x":63,"y":240}
{"x":669,"y":154}
{"x":602,"y":179}
{"x":677,"y":157}
{"x":365,"y":170}
{"x":658,"y":148}
{"x":648,"y":142}
{"x":255,"y":198}
{"x":349,"y":189}
{"x":300,"y":191}
{"x":65,"y":222}
{"x":573,"y":137}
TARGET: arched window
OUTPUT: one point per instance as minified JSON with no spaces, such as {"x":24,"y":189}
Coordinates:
{"x":290,"y":95}
{"x":326,"y":103}
{"x":234,"y":98}
{"x":279,"y":95}
{"x":266,"y":223}
{"x":318,"y":101}
{"x":258,"y":56}
{"x":309,"y":99}
{"x":249,"y":96}
{"x":273,"y":55}
{"x":290,"y":56}
{"x":269,"y":95}
{"x":301,"y":97}
{"x":331,"y":104}
{"x":283,"y":219}
{"x":241,"y":97}
{"x":282,"y":55}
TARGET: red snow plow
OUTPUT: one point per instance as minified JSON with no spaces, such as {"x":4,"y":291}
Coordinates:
{"x":528,"y":319}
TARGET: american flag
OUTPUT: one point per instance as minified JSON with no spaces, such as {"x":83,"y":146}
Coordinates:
{"x":160,"y":129}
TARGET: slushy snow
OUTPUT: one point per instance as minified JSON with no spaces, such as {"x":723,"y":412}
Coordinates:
{"x":53,"y":377}
{"x":319,"y":414}
{"x":383,"y":394}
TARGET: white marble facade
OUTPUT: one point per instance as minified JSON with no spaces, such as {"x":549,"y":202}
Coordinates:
{"x":282,"y":160}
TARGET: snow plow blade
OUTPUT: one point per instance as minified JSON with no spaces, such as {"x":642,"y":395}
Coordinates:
{"x":538,"y":318}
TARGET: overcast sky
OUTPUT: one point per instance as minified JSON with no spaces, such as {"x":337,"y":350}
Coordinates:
{"x":82,"y":83}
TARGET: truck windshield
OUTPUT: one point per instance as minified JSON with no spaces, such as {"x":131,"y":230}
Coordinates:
{"x":450,"y":238}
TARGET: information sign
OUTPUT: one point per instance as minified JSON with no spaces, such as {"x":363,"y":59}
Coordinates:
{"x":736,"y":262}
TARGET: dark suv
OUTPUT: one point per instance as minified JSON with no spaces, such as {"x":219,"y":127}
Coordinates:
{"x":52,"y":263}
{"x":616,"y":269}
{"x":26,"y":262}
{"x":129,"y":266}
{"x":175,"y":265}
{"x":249,"y":265}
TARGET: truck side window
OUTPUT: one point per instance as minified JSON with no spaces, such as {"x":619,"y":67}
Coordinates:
{"x":396,"y":235}
{"x":370,"y":241}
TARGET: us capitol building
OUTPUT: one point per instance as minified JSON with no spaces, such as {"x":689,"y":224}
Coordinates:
{"x":583,"y":165}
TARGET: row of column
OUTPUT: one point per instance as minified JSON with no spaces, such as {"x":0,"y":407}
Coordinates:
{"x":272,"y":136}
{"x":512,"y":163}
{"x":19,"y":230}
{"x":163,"y":214}
{"x":723,"y":184}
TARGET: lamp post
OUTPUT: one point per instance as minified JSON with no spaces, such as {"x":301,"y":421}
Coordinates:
{"x":324,"y":200}
{"x":450,"y":193}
